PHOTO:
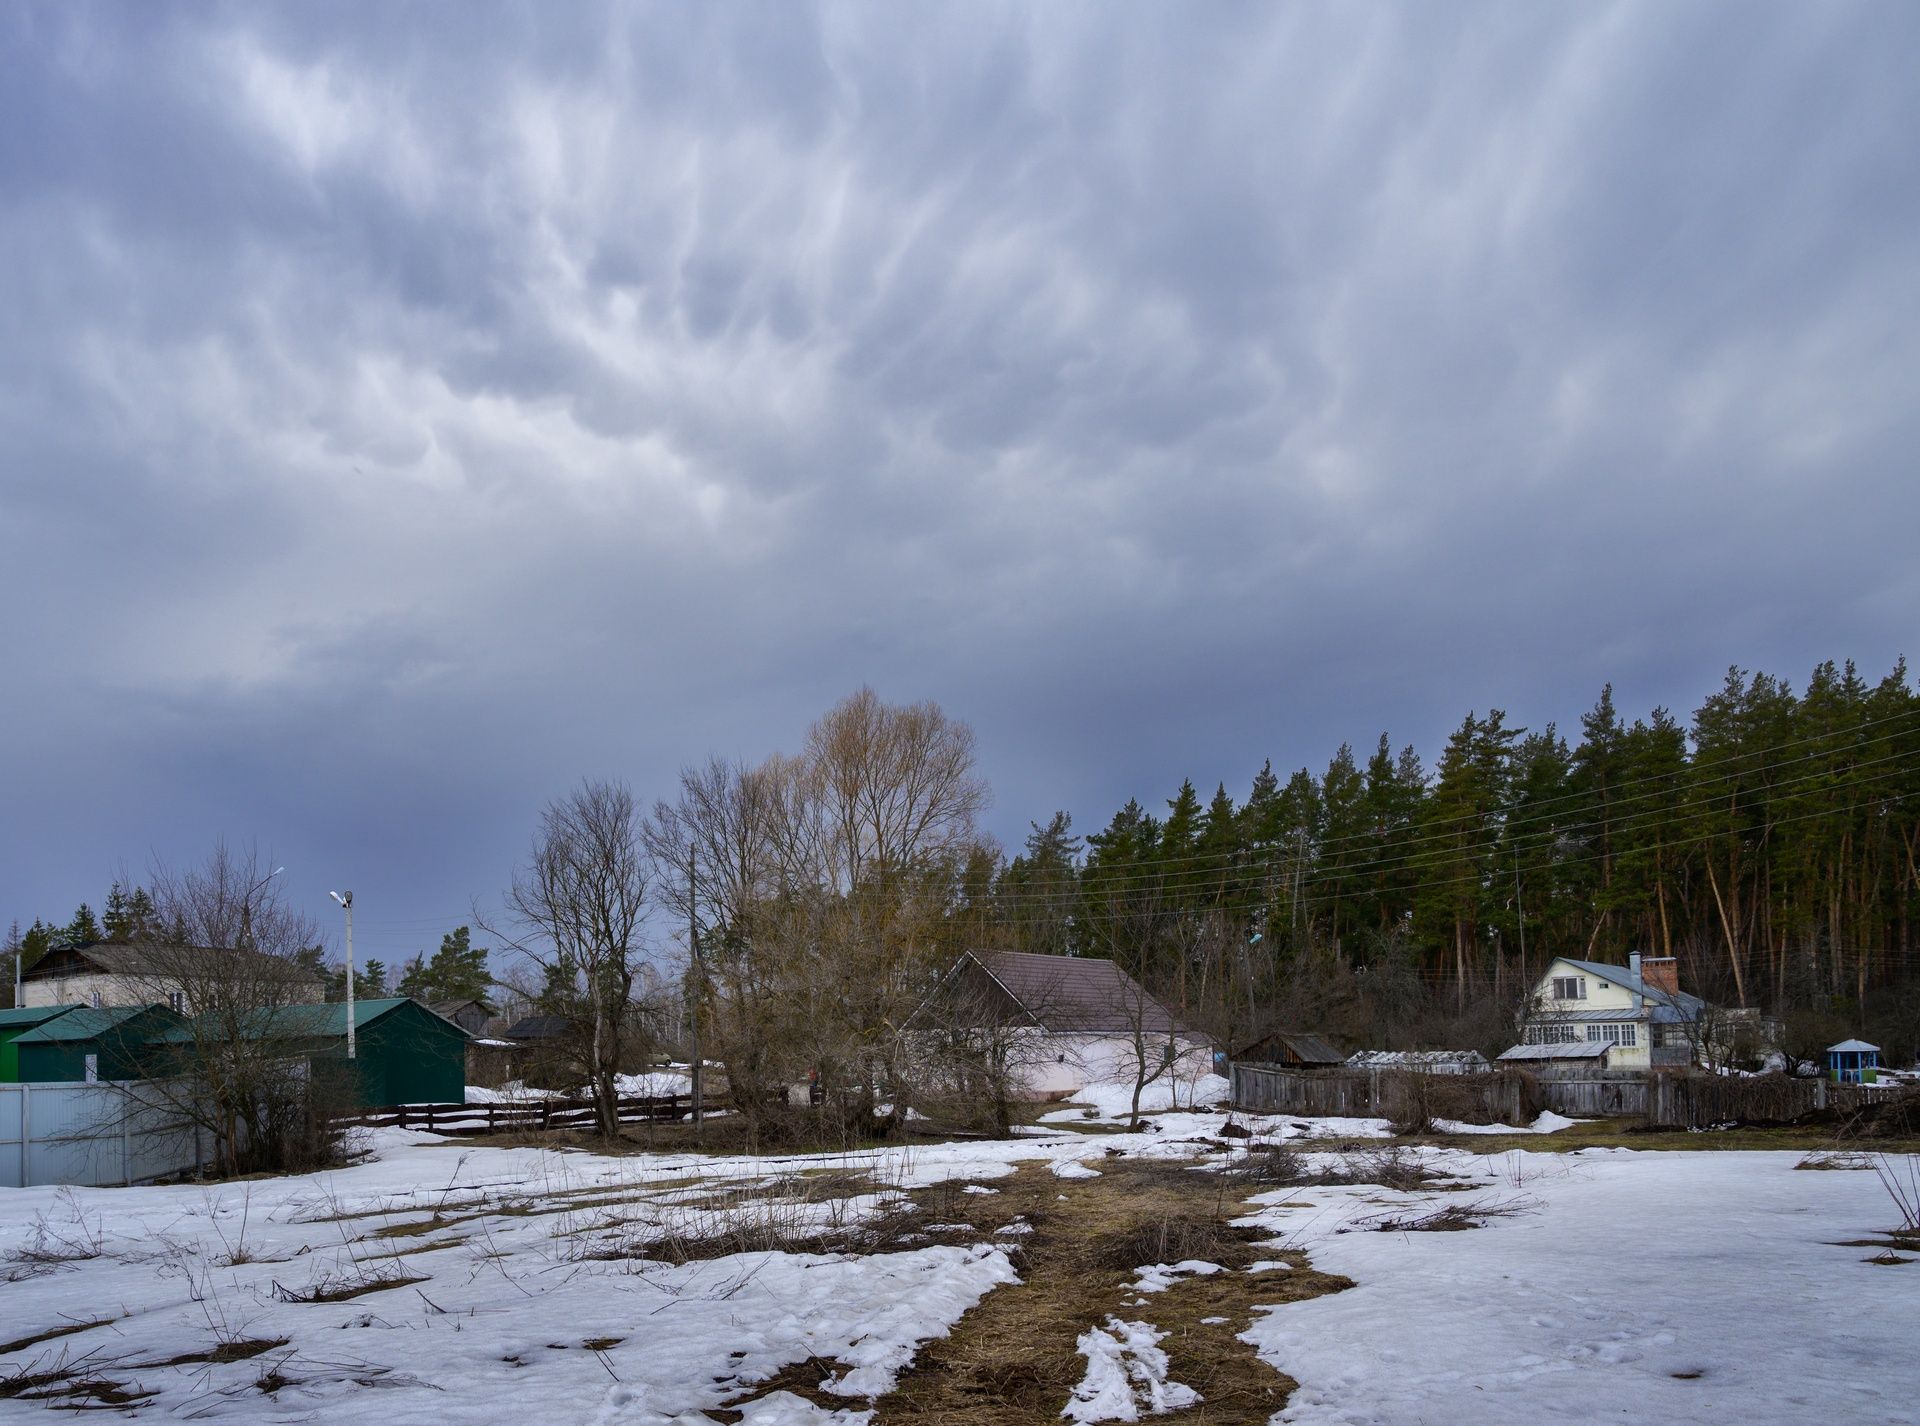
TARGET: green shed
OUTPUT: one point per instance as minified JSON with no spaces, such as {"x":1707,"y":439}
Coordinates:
{"x":89,"y":1043}
{"x":15,"y":1023}
{"x":404,"y":1053}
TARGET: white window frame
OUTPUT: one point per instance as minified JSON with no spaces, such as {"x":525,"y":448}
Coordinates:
{"x":1553,"y":1033}
{"x":1569,"y":987}
{"x":1623,"y":1034}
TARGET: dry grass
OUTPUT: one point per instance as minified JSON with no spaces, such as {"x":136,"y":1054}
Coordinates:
{"x":1452,"y":1218}
{"x":344,"y":1286}
{"x":1015,"y":1359}
{"x":65,"y":1329}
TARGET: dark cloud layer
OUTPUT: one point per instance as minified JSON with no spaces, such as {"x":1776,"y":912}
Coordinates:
{"x":406,"y":410}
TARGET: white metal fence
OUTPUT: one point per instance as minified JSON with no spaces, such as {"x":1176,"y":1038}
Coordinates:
{"x":94,"y":1134}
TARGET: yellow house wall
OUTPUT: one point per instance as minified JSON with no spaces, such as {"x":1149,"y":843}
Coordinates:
{"x":1601,"y":995}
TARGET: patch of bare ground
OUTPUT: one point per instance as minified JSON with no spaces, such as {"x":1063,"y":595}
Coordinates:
{"x":1015,"y":1357}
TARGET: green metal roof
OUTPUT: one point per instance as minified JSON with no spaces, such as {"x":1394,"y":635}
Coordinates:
{"x":316,"y":1022}
{"x":31,"y":1015}
{"x":83,"y":1022}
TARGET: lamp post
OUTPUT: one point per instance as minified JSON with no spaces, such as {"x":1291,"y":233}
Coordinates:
{"x":345,"y":898}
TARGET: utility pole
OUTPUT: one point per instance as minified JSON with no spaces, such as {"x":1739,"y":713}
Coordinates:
{"x":1520,"y":908}
{"x":693,"y":951}
{"x":345,"y":898}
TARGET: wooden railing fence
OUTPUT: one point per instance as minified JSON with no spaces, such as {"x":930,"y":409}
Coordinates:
{"x":525,"y":1116}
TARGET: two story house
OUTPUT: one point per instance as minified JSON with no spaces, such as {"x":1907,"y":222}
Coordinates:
{"x":1637,"y":1010}
{"x":186,"y":980}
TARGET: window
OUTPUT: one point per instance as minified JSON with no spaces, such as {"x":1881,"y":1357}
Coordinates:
{"x":1614,"y":1034}
{"x":1556,"y":1034}
{"x":1569,"y":987}
{"x":97,"y":1000}
{"x":177,"y":1001}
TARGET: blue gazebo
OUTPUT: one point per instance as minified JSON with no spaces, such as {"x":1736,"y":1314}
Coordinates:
{"x":1854,"y":1062}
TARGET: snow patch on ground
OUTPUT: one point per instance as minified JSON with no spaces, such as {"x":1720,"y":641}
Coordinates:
{"x":1113,"y":1102}
{"x":1158,"y":1277}
{"x":1757,"y":1314}
{"x":1126,"y":1376}
{"x":655,"y":1084}
{"x":1547,"y":1123}
{"x":1073,"y":1168}
{"x":512,"y":1092}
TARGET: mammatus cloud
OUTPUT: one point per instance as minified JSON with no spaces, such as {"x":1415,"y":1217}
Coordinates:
{"x":407,"y":411}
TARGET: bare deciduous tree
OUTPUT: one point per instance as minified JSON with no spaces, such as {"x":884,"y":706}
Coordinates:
{"x":579,"y":904}
{"x":236,"y":960}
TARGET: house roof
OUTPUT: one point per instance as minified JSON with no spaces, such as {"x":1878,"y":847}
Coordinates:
{"x":1668,"y":1006}
{"x":1308,"y":1049}
{"x":1387,"y":1059}
{"x":1076,"y":993}
{"x":318,"y":1022}
{"x":451,"y":1008}
{"x":1851,"y":1047}
{"x":28,"y":1016}
{"x":84,"y":1022}
{"x":539,"y":1027}
{"x":1572,"y":1050}
{"x":158,"y":959}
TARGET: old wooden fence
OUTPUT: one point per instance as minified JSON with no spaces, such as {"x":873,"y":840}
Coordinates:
{"x":527,"y":1116}
{"x":1663,"y":1100}
{"x":1500,"y":1098}
{"x":1695,"y":1101}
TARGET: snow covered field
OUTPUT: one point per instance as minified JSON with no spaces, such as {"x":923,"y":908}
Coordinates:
{"x":444,"y":1283}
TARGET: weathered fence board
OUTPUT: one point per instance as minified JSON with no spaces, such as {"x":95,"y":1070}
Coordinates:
{"x":1504,"y":1098}
{"x":1601,"y":1096}
{"x":1695,"y":1101}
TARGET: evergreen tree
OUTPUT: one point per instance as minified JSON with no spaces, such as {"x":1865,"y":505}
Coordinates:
{"x":82,"y":930}
{"x":1040,"y":887}
{"x":129,"y":915}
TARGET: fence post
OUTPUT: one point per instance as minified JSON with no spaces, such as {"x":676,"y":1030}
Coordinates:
{"x":26,"y":1130}
{"x":1820,"y":1092}
{"x":1373,"y":1092}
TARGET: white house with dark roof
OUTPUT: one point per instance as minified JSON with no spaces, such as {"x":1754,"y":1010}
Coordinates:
{"x":1637,"y":1010}
{"x":1079,"y":1019}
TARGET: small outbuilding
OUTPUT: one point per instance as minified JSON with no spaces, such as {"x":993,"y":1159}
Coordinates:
{"x":88,"y":1043}
{"x":470,"y":1015}
{"x":1854,"y":1062}
{"x":1563,"y":1059}
{"x":1292,"y":1050}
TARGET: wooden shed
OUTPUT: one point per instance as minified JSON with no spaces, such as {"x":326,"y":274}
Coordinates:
{"x":86,"y":1043}
{"x":1293,"y":1050}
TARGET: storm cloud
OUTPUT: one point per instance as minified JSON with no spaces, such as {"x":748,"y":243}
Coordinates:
{"x":405,"y":411}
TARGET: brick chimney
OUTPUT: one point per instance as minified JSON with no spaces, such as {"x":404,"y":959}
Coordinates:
{"x":1660,"y":973}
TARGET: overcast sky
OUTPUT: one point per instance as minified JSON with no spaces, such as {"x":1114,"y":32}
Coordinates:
{"x":407,"y":410}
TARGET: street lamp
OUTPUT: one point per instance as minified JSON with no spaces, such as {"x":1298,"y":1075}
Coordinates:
{"x":345,"y":898}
